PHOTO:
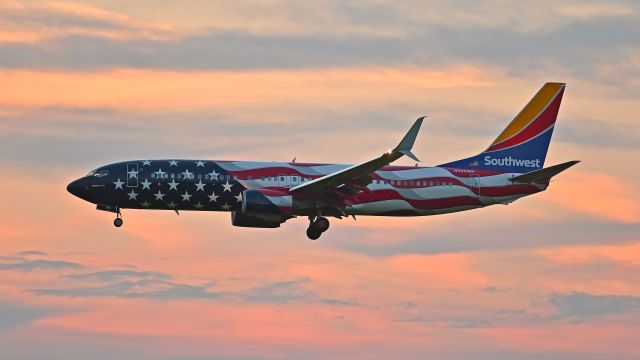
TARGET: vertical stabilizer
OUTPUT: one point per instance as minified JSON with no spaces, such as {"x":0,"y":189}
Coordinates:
{"x":522,"y":146}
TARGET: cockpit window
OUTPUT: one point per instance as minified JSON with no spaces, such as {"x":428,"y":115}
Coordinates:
{"x":98,"y":173}
{"x":92,"y":172}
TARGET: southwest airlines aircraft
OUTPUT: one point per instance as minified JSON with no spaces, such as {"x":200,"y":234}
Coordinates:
{"x":266,"y":194}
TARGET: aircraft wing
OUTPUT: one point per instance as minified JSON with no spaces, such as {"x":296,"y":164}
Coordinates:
{"x":355,"y":178}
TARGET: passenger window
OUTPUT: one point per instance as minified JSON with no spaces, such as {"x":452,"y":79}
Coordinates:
{"x":281,"y":178}
{"x":430,"y":183}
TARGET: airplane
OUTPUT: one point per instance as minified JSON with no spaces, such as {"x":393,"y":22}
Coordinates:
{"x":266,"y":194}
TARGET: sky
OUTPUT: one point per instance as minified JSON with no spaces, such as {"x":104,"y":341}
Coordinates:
{"x":86,"y":83}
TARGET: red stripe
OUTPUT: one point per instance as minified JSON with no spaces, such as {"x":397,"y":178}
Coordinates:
{"x":540,"y":124}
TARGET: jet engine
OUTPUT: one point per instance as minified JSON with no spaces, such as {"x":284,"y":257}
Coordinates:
{"x":256,"y":221}
{"x":263,"y":208}
{"x":266,"y":202}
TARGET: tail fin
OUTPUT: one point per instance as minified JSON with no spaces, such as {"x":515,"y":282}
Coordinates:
{"x":522,"y":146}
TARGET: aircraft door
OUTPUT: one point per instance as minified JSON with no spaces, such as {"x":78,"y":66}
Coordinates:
{"x":132,"y":175}
{"x":475,"y":185}
{"x":284,"y":180}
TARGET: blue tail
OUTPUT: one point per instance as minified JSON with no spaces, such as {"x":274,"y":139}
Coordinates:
{"x":522,"y":146}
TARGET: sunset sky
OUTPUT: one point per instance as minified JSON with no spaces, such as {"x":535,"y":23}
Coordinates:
{"x":86,"y":83}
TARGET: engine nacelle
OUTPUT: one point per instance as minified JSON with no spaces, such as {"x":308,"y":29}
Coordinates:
{"x":256,"y":221}
{"x":267,"y":202}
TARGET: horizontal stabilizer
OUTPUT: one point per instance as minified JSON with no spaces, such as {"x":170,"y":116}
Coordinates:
{"x":543,"y":174}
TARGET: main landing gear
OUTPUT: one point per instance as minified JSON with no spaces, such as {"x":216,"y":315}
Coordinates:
{"x":317,"y":225}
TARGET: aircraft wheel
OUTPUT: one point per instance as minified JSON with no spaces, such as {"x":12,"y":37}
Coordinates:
{"x":118,"y":222}
{"x":322,"y":224}
{"x":313,"y":233}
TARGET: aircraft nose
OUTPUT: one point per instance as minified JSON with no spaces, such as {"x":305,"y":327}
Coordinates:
{"x":77,"y":188}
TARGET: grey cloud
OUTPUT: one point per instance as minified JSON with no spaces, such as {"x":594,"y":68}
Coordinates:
{"x":134,"y":289}
{"x":41,"y":264}
{"x":580,"y":306}
{"x":12,"y":315}
{"x":53,"y":136}
{"x":577,"y":48}
{"x":284,"y":292}
{"x":600,"y":134}
{"x":152,"y":285}
{"x":217,"y":51}
{"x":507,"y":238}
{"x":27,"y":253}
{"x":114,"y":275}
{"x":480,"y":318}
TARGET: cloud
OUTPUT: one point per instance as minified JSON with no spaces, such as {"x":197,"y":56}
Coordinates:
{"x":581,"y":306}
{"x":284,"y":292}
{"x":602,"y":133}
{"x":521,"y":40}
{"x":36,"y":22}
{"x":114,"y":275}
{"x":14,"y":315}
{"x":27,"y":253}
{"x":508,"y":237}
{"x":160,"y":286}
{"x":41,"y":264}
{"x":153,"y":289}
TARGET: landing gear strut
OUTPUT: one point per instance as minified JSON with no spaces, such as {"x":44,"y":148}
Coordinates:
{"x":317,"y":225}
{"x":118,"y":221}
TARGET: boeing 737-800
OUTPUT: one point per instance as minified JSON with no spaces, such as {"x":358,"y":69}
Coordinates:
{"x":266,"y":194}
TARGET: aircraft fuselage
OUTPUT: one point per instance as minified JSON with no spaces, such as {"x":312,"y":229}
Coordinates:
{"x":219,"y":186}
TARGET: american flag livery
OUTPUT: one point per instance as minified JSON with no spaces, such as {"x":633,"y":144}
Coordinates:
{"x":266,"y":194}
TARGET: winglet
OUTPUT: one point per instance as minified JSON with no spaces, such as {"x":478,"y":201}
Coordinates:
{"x":409,"y":139}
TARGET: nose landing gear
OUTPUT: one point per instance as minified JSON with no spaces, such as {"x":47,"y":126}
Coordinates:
{"x":317,"y":225}
{"x":118,"y":220}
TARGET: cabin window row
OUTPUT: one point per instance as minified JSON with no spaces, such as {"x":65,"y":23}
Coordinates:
{"x":181,"y":176}
{"x":422,"y":183}
{"x":221,"y":177}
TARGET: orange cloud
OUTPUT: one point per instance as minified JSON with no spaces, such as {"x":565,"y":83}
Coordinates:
{"x":147,"y":89}
{"x":601,"y":195}
{"x":22,"y":23}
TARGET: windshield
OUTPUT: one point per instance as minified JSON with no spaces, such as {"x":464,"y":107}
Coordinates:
{"x":98,"y":173}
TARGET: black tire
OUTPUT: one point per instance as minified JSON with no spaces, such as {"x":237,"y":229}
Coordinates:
{"x":322,"y":224}
{"x":118,"y":222}
{"x":313,"y":233}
